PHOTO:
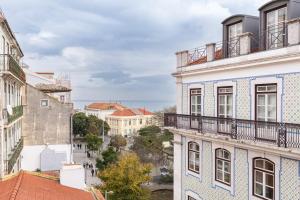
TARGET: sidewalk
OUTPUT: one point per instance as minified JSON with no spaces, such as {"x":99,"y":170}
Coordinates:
{"x":80,"y":157}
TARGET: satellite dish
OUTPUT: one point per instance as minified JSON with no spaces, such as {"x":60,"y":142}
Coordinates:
{"x":9,"y":110}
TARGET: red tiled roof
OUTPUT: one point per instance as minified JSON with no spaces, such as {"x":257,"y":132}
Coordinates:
{"x":106,"y":106}
{"x":26,"y":186}
{"x":131,"y":112}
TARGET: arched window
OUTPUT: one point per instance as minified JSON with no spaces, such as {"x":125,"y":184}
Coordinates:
{"x":193,"y":157}
{"x":264,"y":178}
{"x":223,"y":166}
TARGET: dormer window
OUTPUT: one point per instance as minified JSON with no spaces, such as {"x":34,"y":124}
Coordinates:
{"x":275,"y":28}
{"x":234,"y":31}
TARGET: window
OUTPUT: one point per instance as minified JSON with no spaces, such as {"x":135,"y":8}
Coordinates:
{"x":195,"y":102}
{"x":191,"y":198}
{"x":223,"y":166}
{"x":193,"y":157}
{"x":225,"y":102}
{"x":141,"y":121}
{"x":275,"y":28}
{"x":44,"y":103}
{"x":129,"y":122}
{"x":266,"y":103}
{"x":264,"y":182}
{"x":62,"y":98}
{"x":233,"y":41}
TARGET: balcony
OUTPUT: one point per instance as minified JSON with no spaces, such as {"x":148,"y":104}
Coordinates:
{"x":10,"y":163}
{"x":9,"y":64}
{"x":274,"y":37}
{"x":284,"y":135}
{"x":16,"y":113}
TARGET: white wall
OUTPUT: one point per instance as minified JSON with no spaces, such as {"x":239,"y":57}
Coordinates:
{"x":73,"y":176}
{"x":30,"y":155}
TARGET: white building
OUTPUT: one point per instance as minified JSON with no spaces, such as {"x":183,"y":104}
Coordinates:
{"x":237,"y":127}
{"x":102,"y":110}
{"x":12,"y":80}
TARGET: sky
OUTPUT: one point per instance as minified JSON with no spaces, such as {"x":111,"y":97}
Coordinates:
{"x":117,"y":49}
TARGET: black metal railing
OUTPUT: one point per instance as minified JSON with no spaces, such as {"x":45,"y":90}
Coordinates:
{"x":281,"y":134}
{"x":8,"y":63}
{"x":14,"y":156}
{"x":275,"y":36}
{"x":197,"y":55}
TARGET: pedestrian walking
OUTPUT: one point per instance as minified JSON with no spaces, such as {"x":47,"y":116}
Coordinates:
{"x":92,"y":171}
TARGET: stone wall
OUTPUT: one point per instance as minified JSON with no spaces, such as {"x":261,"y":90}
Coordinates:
{"x":46,"y":125}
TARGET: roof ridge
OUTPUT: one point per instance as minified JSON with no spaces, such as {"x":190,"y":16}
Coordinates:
{"x":17,"y":186}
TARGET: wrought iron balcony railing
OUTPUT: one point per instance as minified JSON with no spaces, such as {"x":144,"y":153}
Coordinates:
{"x":9,"y":64}
{"x":14,"y":156}
{"x":16,"y":113}
{"x":285,"y":135}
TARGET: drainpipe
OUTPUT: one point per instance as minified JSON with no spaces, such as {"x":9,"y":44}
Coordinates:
{"x":71,"y":137}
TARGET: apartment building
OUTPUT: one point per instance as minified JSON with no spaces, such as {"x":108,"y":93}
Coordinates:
{"x":237,"y":127}
{"x":102,"y":109}
{"x":128,"y":121}
{"x":12,"y":81}
{"x":47,"y":124}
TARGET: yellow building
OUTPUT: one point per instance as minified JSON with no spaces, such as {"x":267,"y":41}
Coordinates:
{"x":128,"y":121}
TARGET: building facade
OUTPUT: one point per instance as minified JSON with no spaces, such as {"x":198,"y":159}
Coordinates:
{"x":47,"y":124}
{"x":127,"y":122}
{"x":12,"y":81}
{"x":237,"y":127}
{"x":102,"y":110}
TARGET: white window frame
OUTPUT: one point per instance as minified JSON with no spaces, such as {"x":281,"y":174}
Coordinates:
{"x":266,"y":80}
{"x":275,"y":160}
{"x":192,"y":194}
{"x":196,"y":86}
{"x":48,"y":103}
{"x":226,"y":84}
{"x":234,"y":38}
{"x":224,"y":186}
{"x":189,"y":172}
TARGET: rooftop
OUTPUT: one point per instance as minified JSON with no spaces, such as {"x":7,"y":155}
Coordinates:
{"x":50,"y":88}
{"x":31,"y":186}
{"x":106,"y":106}
{"x":131,"y":112}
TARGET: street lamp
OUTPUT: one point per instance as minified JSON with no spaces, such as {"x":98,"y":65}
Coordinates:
{"x":107,"y":193}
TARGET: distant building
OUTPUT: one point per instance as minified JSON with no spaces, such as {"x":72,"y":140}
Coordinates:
{"x":101,"y":110}
{"x":36,"y":186}
{"x":47,"y":123}
{"x":12,"y":89}
{"x":127,"y":122}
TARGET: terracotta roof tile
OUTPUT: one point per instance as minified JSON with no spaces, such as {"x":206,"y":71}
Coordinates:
{"x":27,"y":186}
{"x":106,"y":106}
{"x":131,"y":112}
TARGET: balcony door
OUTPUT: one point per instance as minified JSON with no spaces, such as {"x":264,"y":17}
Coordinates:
{"x":233,"y":41}
{"x":276,"y":30}
{"x":225,"y":109}
{"x":195,"y":107}
{"x":266,"y":112}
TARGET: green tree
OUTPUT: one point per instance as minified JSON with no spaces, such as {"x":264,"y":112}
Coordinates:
{"x":125,"y":179}
{"x":95,"y":125}
{"x":93,"y":142}
{"x":80,"y":124}
{"x":117,"y":141}
{"x":108,"y":157}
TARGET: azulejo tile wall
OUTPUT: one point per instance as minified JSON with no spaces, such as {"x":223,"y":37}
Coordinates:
{"x":206,"y":190}
{"x":209,"y":99}
{"x":243,"y":99}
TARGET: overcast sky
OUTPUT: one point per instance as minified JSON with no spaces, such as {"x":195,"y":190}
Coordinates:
{"x":117,"y":49}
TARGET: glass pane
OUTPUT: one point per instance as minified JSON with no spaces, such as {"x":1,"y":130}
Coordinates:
{"x":199,"y":109}
{"x":269,"y":180}
{"x":198,"y":100}
{"x":197,"y":168}
{"x":282,"y":14}
{"x":272,"y":112}
{"x":227,"y":155}
{"x":193,"y":108}
{"x":219,"y":165}
{"x":272,"y":99}
{"x":269,"y":192}
{"x":196,"y":147}
{"x":193,"y":100}
{"x":261,"y":100}
{"x":259,"y":163}
{"x":226,"y":167}
{"x":222,"y":99}
{"x":229,"y":99}
{"x":261,"y":111}
{"x":219,"y":175}
{"x":269,"y":166}
{"x":258,"y":176}
{"x":271,"y":18}
{"x":271,"y":88}
{"x":219,"y":153}
{"x":222,"y":110}
{"x":258,"y":189}
{"x":227,"y":177}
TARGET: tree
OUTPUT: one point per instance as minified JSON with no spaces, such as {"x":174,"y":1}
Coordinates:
{"x":95,"y":125}
{"x":109,"y":156}
{"x":125,"y":178}
{"x":118,"y":141}
{"x":93,"y":142}
{"x":80,"y":124}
